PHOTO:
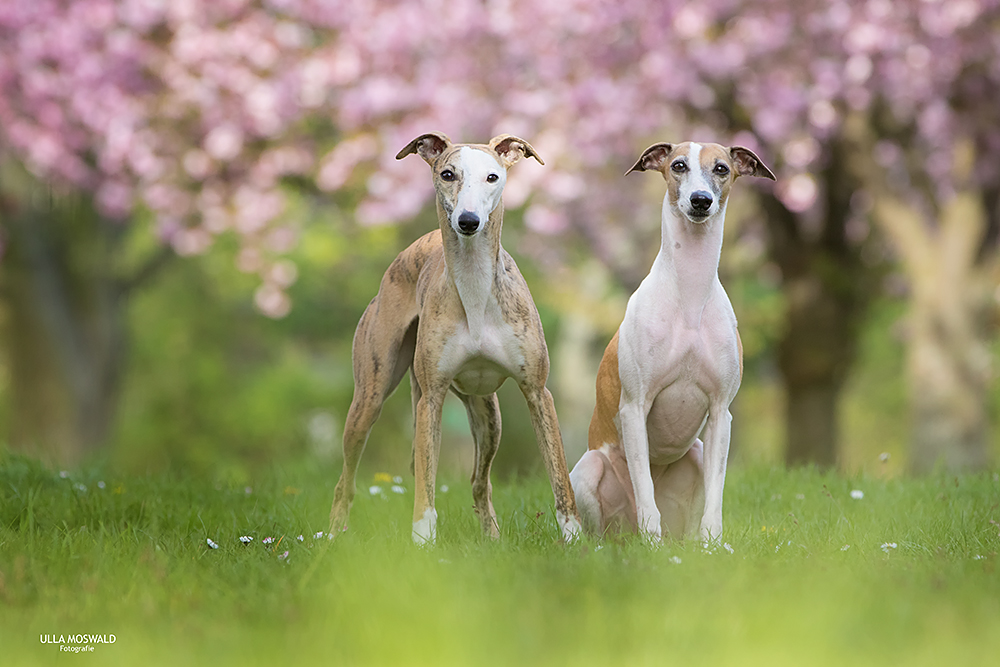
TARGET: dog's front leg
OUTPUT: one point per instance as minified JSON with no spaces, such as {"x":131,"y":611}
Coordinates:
{"x":635,"y":442}
{"x":716,"y":456}
{"x":426,"y":445}
{"x":543,"y":419}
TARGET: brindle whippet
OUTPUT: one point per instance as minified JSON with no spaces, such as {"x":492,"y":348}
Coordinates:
{"x":454,"y":310}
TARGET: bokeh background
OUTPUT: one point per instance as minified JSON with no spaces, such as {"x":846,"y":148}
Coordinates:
{"x":198,"y":199}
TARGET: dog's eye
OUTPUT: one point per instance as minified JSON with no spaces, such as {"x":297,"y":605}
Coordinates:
{"x":679,"y":167}
{"x":447,"y":175}
{"x":492,"y":178}
{"x":721,"y":170}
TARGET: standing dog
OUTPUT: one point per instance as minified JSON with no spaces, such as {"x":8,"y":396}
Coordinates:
{"x":674,"y":366}
{"x":454,"y":310}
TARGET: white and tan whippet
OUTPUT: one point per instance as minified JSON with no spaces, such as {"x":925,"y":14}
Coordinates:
{"x":454,"y":310}
{"x":671,"y":371}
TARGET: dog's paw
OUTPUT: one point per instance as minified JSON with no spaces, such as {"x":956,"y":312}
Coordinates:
{"x":569,"y":526}
{"x":652,"y":540}
{"x":425,"y":528}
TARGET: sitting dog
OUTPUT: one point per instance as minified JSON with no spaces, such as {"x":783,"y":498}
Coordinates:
{"x":674,"y":366}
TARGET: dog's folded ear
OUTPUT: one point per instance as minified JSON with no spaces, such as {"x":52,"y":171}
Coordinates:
{"x":428,"y":146}
{"x":511,"y":149}
{"x":653,"y":158}
{"x":748,"y":164}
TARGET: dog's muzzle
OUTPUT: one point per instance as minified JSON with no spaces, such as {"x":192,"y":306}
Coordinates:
{"x":468,"y":223}
{"x":701,"y":202}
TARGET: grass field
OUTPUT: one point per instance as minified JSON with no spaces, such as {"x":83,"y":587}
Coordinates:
{"x":905,"y":575}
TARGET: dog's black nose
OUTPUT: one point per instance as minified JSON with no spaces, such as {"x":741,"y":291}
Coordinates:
{"x":468,"y":222}
{"x":701,"y":201}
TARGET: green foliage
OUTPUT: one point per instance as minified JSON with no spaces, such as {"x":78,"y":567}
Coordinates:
{"x":213,"y":384}
{"x":813,"y":578}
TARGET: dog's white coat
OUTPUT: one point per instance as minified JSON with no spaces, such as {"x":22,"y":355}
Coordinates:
{"x":679,"y":366}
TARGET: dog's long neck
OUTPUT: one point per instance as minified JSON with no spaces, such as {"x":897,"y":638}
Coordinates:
{"x":688,"y":261}
{"x":472,"y":263}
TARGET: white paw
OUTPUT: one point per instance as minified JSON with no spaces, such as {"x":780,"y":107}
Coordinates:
{"x":570,"y":526}
{"x":651,"y":530}
{"x":711,"y":537}
{"x":425,"y":528}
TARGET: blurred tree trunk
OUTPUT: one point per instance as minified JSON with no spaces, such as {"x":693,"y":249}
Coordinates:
{"x":827,"y":288}
{"x":953,"y":269}
{"x":64,"y":328}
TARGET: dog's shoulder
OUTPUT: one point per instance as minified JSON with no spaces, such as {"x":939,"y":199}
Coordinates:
{"x":409,"y":264}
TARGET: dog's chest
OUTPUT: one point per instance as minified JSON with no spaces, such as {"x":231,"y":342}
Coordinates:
{"x":684,"y":372}
{"x":482,"y":352}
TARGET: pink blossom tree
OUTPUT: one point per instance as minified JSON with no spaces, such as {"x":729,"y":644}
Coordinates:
{"x":199,"y":114}
{"x":934,"y":149}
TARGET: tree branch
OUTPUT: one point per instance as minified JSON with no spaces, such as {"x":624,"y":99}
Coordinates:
{"x":989,"y":245}
{"x":163,"y":255}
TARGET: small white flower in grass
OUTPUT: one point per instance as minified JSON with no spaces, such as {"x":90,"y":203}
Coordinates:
{"x":396,"y":488}
{"x":977,"y":557}
{"x":598,"y":547}
{"x":283,"y":556}
{"x":444,"y":488}
{"x":64,"y":474}
{"x":80,"y":487}
{"x":301,"y":538}
{"x":883,"y":457}
{"x":845,"y":547}
{"x":857,"y":494}
{"x":397,"y":479}
{"x":246,"y":539}
{"x":318,"y":535}
{"x":247,"y":490}
{"x":212,"y":544}
{"x":728,"y":547}
{"x":375,"y":489}
{"x":100,"y":485}
{"x":676,"y":560}
{"x":267,"y":540}
{"x":886,"y":546}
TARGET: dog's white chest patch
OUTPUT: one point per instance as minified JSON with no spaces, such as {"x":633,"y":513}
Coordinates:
{"x":480,"y":361}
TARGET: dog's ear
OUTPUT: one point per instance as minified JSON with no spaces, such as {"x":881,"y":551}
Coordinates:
{"x":748,"y":164}
{"x":428,"y":146}
{"x":511,"y":149}
{"x":653,"y":158}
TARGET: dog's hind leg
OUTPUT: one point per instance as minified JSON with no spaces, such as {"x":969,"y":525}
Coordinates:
{"x":415,"y":393}
{"x":484,"y":420}
{"x":680,"y":493}
{"x":382,"y":353}
{"x":604,"y":502}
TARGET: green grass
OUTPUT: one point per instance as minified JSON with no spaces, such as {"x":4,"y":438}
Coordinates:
{"x":131,"y":559}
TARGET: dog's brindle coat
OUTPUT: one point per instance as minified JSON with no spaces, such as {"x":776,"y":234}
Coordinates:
{"x":454,"y":310}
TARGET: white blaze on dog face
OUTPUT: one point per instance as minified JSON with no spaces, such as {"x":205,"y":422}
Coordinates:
{"x":698,"y":180}
{"x":469,"y":182}
{"x":699,"y":176}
